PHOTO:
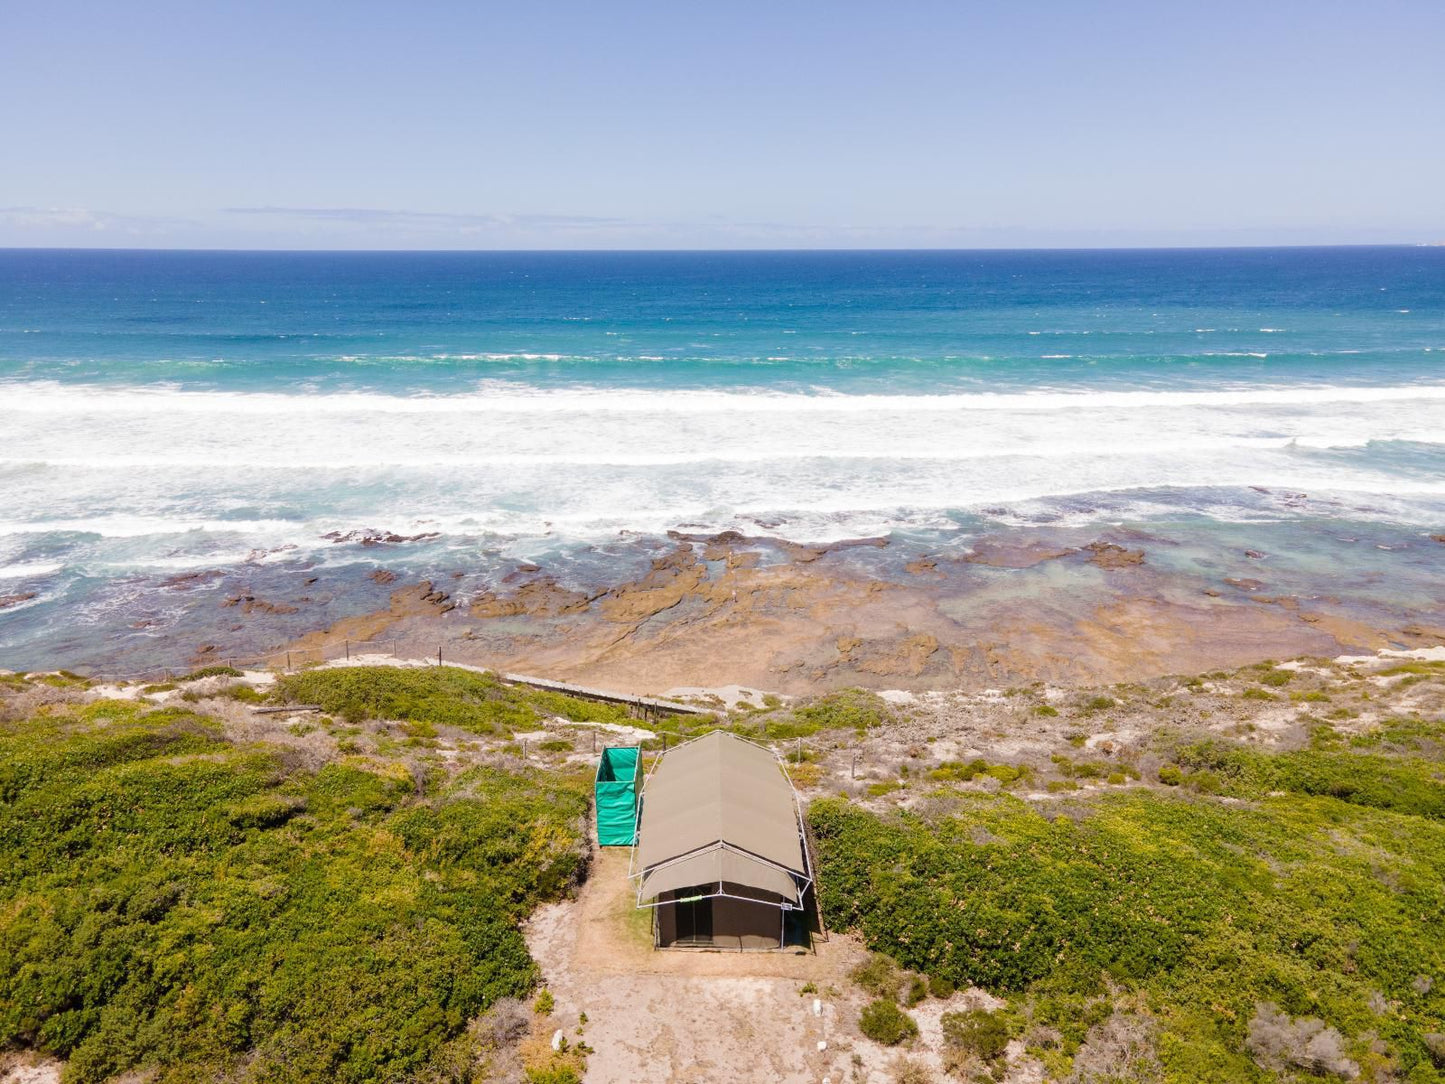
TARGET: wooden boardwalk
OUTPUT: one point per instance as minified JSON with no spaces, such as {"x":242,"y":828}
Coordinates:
{"x":648,"y":706}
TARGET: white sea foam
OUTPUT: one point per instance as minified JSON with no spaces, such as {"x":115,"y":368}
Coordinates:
{"x":112,"y":526}
{"x":50,"y":398}
{"x":29,"y":569}
{"x":209,"y":472}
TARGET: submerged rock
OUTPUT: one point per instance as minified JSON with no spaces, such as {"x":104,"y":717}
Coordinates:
{"x":1110,"y":555}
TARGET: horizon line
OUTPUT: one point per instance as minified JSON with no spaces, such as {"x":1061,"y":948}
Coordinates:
{"x":723,"y":251}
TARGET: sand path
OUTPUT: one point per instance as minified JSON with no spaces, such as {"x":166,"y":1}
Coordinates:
{"x":688,"y":1016}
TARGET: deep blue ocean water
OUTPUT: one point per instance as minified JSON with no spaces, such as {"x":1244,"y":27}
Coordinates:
{"x":168,"y":411}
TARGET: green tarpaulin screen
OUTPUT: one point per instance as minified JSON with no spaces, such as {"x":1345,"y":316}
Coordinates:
{"x":618,"y":778}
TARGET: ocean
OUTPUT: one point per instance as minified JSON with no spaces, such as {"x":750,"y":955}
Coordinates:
{"x":164,"y":414}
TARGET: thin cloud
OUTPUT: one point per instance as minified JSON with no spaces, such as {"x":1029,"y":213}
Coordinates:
{"x":83,"y":219}
{"x":373,"y":216}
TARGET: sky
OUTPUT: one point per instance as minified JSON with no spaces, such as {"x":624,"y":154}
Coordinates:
{"x":474,"y":125}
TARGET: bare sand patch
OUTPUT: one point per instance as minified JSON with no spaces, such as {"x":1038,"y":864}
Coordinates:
{"x":29,"y":1068}
{"x":689,"y":1016}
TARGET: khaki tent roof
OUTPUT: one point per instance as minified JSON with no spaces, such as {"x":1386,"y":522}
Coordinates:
{"x":718,"y":867}
{"x":720,"y":789}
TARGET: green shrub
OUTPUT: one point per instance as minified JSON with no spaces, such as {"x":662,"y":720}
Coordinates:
{"x":1318,"y":903}
{"x":941,"y":987}
{"x":879,"y":975}
{"x":1416,"y":667}
{"x":1275,"y":678}
{"x":850,"y":709}
{"x":1407,"y":785}
{"x":545,"y":1003}
{"x":211,"y":671}
{"x":983,"y":1034}
{"x":1171,"y":775}
{"x":433,"y":696}
{"x":572,"y":708}
{"x":1257,"y":694}
{"x":1048,"y":711}
{"x":916,"y":991}
{"x":174,"y":903}
{"x":953,"y":771}
{"x":1098,"y":703}
{"x":884,"y":1022}
{"x":62,"y":679}
{"x":245,"y":694}
{"x":553,"y":1074}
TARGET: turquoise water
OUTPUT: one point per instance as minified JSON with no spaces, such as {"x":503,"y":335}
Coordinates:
{"x":163,"y":413}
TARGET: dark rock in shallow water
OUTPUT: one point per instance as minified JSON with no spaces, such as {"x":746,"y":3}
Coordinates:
{"x":1010,"y":554}
{"x":190,"y":579}
{"x":377,"y":538}
{"x":250,"y":604}
{"x":15,"y":600}
{"x":1109,"y":555}
{"x":1244,"y":584}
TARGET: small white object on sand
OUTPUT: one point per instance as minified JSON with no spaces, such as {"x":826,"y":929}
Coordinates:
{"x":557,"y":1039}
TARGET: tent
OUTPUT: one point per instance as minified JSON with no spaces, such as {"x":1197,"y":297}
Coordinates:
{"x":616,"y":787}
{"x":720,"y":855}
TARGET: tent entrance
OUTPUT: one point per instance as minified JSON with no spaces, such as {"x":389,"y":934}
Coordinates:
{"x":694,"y":917}
{"x":699,"y":918}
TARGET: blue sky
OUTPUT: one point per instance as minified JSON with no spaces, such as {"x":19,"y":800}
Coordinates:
{"x":631,"y":125}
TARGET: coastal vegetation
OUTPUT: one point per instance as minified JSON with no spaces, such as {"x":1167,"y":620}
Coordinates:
{"x":436,"y":696}
{"x":844,"y":710}
{"x":1302,"y":930}
{"x":178,"y":901}
{"x":1181,"y":884}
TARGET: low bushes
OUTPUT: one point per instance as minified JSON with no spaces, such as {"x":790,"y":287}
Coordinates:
{"x":884,"y":1022}
{"x":1404,"y":784}
{"x":171,"y":901}
{"x":879,"y":975}
{"x":953,"y":771}
{"x":850,"y":709}
{"x":976,"y":1033}
{"x":436,"y":696}
{"x":1319,"y":903}
{"x":211,"y":671}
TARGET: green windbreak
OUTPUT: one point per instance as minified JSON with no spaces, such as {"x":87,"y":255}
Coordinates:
{"x":616,"y":788}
